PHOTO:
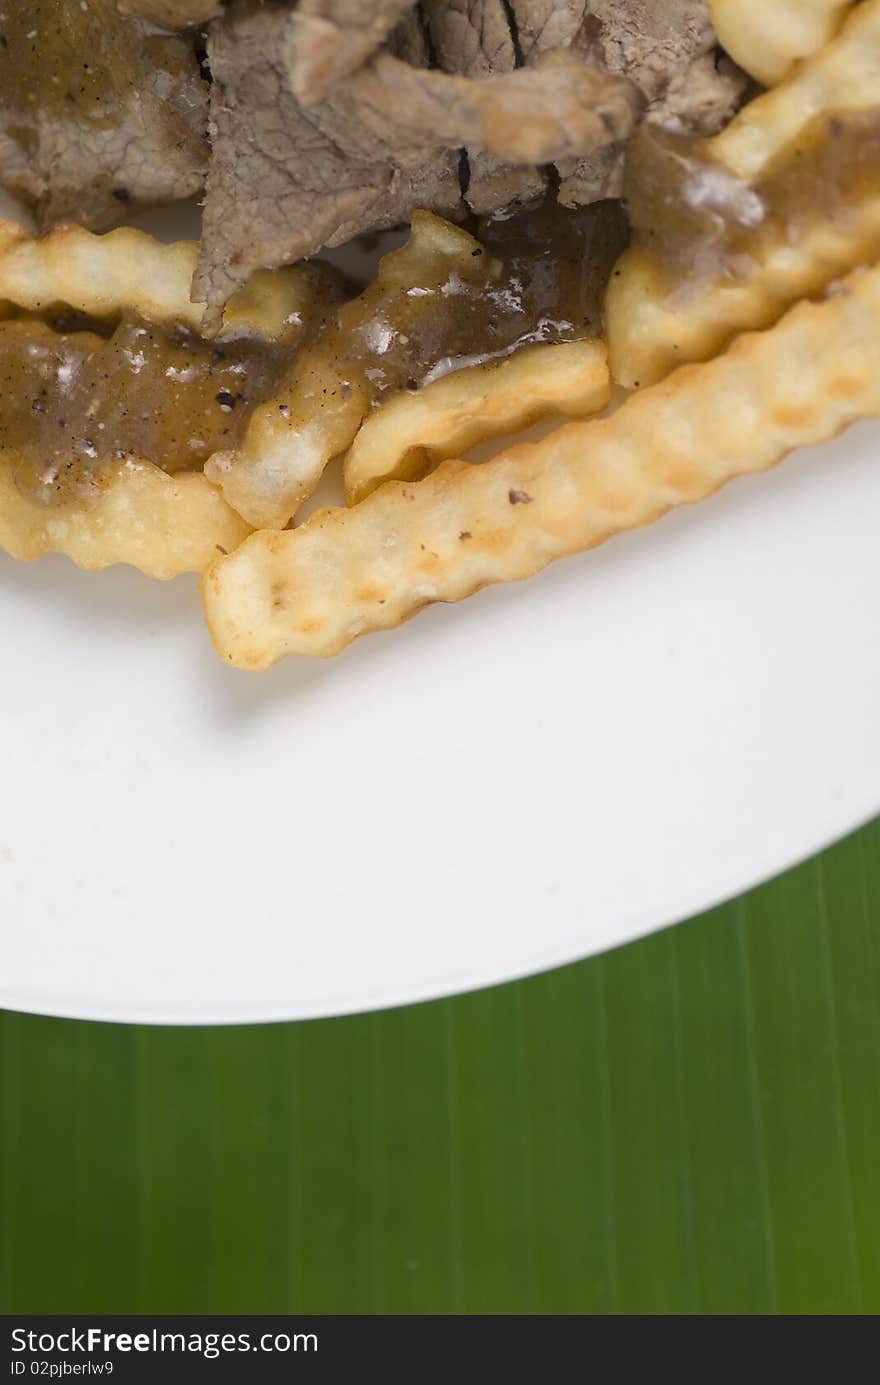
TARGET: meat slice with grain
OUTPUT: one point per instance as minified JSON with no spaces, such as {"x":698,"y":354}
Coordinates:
{"x":432,"y":182}
{"x":287,"y":178}
{"x":553,"y":110}
{"x":330,"y":39}
{"x":280,"y":183}
{"x":668,"y":48}
{"x":98,"y":114}
{"x":475,"y":38}
{"x":543,"y":24}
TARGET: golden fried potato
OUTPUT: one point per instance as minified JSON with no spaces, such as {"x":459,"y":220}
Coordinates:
{"x":128,"y":271}
{"x":163,"y":525}
{"x":315,"y":416}
{"x":767,"y":37}
{"x":345,"y":573}
{"x":141,"y":516}
{"x":842,"y":76}
{"x":649,"y":333}
{"x":787,"y":237}
{"x":404,"y":438}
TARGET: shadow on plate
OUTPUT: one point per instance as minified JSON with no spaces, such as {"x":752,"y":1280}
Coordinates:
{"x":121,"y":598}
{"x":752,"y":506}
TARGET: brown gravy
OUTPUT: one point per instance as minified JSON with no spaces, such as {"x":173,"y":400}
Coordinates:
{"x":73,"y":401}
{"x":700,"y":221}
{"x":76,"y":396}
{"x":65,"y":61}
{"x":540,"y":277}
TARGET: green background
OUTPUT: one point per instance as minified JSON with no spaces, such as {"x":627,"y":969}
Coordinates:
{"x":688,"y":1125}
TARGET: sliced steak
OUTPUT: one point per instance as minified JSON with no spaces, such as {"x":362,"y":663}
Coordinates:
{"x":545,"y":24}
{"x":474,"y":38}
{"x":701,"y":99}
{"x":666,"y":47}
{"x":470,"y":37}
{"x":286,"y":179}
{"x":650,"y":40}
{"x":98,"y":114}
{"x":333,"y":38}
{"x":555,"y":109}
{"x":431,"y":182}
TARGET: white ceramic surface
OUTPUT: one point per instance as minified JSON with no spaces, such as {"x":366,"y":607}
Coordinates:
{"x":538,"y":774}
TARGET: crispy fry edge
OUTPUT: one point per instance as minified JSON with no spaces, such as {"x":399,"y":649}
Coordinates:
{"x":162,"y":525}
{"x":650,"y":332}
{"x":767,"y":39}
{"x":345,"y":573}
{"x":128,"y":270}
{"x":413,"y":432}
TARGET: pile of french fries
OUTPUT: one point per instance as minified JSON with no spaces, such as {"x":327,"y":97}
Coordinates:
{"x":777,"y":350}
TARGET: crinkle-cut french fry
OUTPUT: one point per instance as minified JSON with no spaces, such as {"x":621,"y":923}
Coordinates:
{"x":404,"y":438}
{"x":127,"y":270}
{"x":318,"y":410}
{"x":842,"y":76}
{"x":767,"y":37}
{"x":650,"y":333}
{"x":164,"y":525}
{"x":652,"y":327}
{"x":345,"y":573}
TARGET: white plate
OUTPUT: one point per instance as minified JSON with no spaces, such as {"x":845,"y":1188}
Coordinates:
{"x":540,"y":773}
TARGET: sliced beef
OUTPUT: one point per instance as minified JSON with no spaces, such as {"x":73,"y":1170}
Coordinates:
{"x":470,"y":37}
{"x":173,"y":14}
{"x":650,"y":40}
{"x":434,"y":180}
{"x":701,"y":99}
{"x":333,"y":38}
{"x":669,"y":50}
{"x":286,"y":178}
{"x":98,"y":114}
{"x":474,"y":38}
{"x":555,"y":109}
{"x":660,"y":45}
{"x":666,"y":47}
{"x":546,"y":24}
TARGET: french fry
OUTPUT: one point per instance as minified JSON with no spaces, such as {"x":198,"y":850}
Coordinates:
{"x":654,"y":325}
{"x":842,"y":76}
{"x":404,"y":438}
{"x":648,"y":334}
{"x":127,"y":270}
{"x":320,"y":407}
{"x":345,"y":573}
{"x":767,"y":37}
{"x":163,"y":525}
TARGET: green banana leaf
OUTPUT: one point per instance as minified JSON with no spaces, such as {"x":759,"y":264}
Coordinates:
{"x":688,"y":1125}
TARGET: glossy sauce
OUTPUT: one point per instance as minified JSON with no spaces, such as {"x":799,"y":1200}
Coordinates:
{"x":700,"y":221}
{"x":73,"y":401}
{"x":76,"y":396}
{"x":69,"y":61}
{"x":559,"y":261}
{"x":539,"y":276}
